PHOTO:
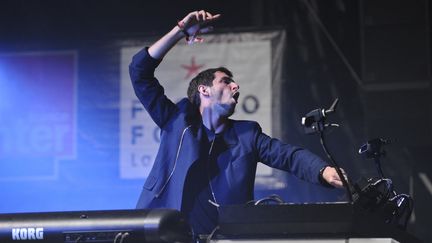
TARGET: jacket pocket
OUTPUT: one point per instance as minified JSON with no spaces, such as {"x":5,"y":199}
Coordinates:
{"x":150,"y":182}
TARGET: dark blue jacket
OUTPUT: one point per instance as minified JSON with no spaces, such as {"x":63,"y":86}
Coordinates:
{"x":181,"y":130}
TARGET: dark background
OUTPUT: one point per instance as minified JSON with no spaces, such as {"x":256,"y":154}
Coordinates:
{"x":372,"y":54}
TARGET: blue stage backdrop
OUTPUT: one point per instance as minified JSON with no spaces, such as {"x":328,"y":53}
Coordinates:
{"x":73,"y":136}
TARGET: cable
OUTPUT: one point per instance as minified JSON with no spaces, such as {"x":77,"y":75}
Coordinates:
{"x":124,"y":235}
{"x":79,"y":239}
{"x":210,"y":236}
{"x":271,"y":198}
{"x":250,"y":202}
{"x":336,"y":166}
{"x":378,"y":167}
{"x":118,"y":235}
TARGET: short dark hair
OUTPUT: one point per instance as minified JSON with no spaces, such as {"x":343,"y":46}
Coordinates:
{"x":205,"y":77}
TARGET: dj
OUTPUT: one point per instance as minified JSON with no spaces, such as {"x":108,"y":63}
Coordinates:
{"x":206,"y":159}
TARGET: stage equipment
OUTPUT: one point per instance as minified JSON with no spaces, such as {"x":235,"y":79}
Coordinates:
{"x":373,"y":150}
{"x":304,"y":221}
{"x":374,"y":195}
{"x":315,"y":122}
{"x":114,"y":226}
{"x":377,"y":195}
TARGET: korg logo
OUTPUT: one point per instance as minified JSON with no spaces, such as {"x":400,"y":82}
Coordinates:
{"x":27,"y":234}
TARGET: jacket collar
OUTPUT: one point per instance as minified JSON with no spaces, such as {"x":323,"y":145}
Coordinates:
{"x":194,"y":118}
{"x":229,"y":134}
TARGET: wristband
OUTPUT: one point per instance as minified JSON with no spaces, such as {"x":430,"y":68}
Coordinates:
{"x":180,"y":24}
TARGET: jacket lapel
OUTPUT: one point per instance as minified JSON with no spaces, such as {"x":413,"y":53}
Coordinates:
{"x":230,"y":135}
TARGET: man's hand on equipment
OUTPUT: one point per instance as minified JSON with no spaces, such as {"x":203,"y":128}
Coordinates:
{"x":331,"y":176}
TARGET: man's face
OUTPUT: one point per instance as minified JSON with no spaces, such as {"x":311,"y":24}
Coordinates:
{"x":224,"y":94}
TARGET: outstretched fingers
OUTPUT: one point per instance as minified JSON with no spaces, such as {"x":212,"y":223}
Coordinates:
{"x":196,"y":23}
{"x":200,"y":17}
{"x":212,"y":17}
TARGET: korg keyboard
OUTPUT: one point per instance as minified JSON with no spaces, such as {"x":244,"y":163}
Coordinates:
{"x":114,"y":226}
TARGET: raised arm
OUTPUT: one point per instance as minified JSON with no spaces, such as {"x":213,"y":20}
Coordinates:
{"x":141,"y":70}
{"x":189,"y":27}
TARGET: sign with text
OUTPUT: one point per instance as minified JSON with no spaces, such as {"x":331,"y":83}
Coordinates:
{"x":37,"y":112}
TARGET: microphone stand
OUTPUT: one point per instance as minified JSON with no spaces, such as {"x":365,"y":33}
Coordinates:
{"x":314,"y":122}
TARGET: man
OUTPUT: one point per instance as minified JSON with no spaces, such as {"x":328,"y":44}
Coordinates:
{"x":205,"y":158}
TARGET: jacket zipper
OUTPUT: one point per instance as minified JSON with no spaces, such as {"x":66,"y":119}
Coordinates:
{"x":214,"y":202}
{"x":175,"y":162}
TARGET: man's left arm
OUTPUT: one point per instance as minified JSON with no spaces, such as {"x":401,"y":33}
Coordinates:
{"x":299,"y":161}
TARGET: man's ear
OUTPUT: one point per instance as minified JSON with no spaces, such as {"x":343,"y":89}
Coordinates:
{"x":204,"y":90}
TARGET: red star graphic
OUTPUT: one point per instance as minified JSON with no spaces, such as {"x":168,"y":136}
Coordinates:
{"x":192,"y":68}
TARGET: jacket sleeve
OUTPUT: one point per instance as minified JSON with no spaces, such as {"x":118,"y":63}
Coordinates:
{"x":148,"y":89}
{"x":296,"y":160}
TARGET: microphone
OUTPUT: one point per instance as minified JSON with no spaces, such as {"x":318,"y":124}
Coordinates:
{"x":314,"y":120}
{"x":372,"y":148}
{"x":332,"y":107}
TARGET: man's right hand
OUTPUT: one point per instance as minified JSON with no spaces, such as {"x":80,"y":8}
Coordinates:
{"x":192,"y":25}
{"x":196,"y":23}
